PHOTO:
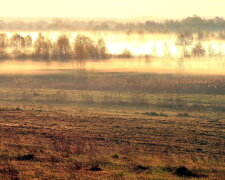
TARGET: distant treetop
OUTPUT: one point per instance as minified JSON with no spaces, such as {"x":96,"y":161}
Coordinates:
{"x":193,"y":24}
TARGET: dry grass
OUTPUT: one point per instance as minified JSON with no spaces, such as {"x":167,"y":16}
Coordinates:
{"x":64,"y":145}
{"x":56,"y":126}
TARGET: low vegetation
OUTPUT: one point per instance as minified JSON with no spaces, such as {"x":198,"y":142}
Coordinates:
{"x":99,"y":143}
{"x":49,"y":130}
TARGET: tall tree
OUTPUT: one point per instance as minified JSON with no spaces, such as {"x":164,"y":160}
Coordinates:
{"x":28,"y":41}
{"x":3,"y":45}
{"x":84,"y":47}
{"x":17,"y":42}
{"x":42,"y":47}
{"x":63,"y":48}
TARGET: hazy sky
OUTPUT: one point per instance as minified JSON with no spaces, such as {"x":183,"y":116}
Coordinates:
{"x":112,"y":8}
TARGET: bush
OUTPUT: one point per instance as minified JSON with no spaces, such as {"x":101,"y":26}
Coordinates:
{"x":198,"y":50}
{"x":125,"y":54}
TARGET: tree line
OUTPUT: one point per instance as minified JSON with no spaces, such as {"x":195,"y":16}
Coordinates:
{"x":21,"y":47}
{"x":84,"y":47}
{"x":193,"y":24}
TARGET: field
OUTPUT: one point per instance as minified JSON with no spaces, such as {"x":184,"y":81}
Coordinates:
{"x":65,"y":124}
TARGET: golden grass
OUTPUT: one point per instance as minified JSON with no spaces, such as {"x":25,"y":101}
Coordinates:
{"x":52,"y":131}
{"x":66,"y":145}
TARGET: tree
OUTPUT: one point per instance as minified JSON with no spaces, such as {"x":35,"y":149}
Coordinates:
{"x":198,"y":50}
{"x":101,"y":48}
{"x":42,"y":47}
{"x":28,"y":41}
{"x":3,"y":41}
{"x":84,"y":48}
{"x":63,"y":49}
{"x":184,"y":39}
{"x":17,"y":42}
{"x":3,"y":45}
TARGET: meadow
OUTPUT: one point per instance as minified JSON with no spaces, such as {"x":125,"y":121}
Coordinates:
{"x":113,"y":124}
{"x":112,"y":105}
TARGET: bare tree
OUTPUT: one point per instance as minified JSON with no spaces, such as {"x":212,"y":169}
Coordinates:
{"x":28,"y":41}
{"x":4,"y":41}
{"x":63,"y":49}
{"x":3,"y":45}
{"x":101,"y":48}
{"x":185,"y":39}
{"x":42,"y":47}
{"x":17,"y":42}
{"x":84,"y":47}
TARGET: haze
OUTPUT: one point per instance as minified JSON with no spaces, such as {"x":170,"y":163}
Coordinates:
{"x":112,"y":8}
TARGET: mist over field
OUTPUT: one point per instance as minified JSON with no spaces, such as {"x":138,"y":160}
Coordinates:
{"x":204,"y":66}
{"x":111,"y":52}
{"x":82,"y":94}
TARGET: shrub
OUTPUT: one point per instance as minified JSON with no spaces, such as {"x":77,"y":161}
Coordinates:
{"x":198,"y":50}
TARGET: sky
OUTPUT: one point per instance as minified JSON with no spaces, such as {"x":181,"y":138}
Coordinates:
{"x":112,"y":8}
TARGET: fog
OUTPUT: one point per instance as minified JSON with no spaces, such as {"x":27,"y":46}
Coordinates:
{"x":153,"y":53}
{"x":203,"y":66}
{"x":158,"y":45}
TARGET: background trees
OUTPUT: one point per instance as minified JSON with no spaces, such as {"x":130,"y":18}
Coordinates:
{"x":193,"y":24}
